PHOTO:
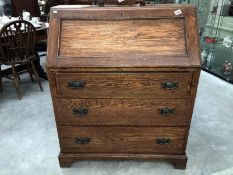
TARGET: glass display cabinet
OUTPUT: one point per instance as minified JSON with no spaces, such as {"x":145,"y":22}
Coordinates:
{"x":216,"y":36}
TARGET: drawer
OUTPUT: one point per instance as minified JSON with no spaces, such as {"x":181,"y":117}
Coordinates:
{"x":167,"y":140}
{"x":156,"y":112}
{"x":124,"y":85}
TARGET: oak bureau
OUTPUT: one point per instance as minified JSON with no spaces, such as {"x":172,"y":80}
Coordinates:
{"x":123,"y":81}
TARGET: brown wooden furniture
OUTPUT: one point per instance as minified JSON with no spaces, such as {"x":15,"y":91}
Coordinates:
{"x":78,"y":2}
{"x":17,"y":47}
{"x":106,"y":2}
{"x":31,"y":6}
{"x":123,"y":81}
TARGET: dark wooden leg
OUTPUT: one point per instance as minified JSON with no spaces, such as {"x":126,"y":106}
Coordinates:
{"x":16,"y":81}
{"x":30,"y":73}
{"x":36,"y":75}
{"x":0,"y":79}
{"x":179,"y":163}
{"x":65,"y":161}
{"x":37,"y":62}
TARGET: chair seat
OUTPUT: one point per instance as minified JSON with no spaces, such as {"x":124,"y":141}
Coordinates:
{"x":21,"y":60}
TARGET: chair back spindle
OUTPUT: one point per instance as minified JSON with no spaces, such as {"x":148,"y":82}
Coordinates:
{"x":17,"y":48}
{"x":18,"y":41}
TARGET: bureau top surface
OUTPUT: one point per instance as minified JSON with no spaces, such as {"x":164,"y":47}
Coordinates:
{"x":150,"y":36}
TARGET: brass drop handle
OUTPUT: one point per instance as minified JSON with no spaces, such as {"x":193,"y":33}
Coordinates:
{"x":163,"y":141}
{"x":80,"y":111}
{"x":83,"y":140}
{"x":166,"y":111}
{"x":76,"y":84}
{"x":169,"y":85}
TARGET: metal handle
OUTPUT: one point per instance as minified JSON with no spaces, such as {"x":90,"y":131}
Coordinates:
{"x":83,"y":140}
{"x":166,"y":111}
{"x":80,"y":111}
{"x":163,"y":141}
{"x":76,"y":84}
{"x":169,"y":85}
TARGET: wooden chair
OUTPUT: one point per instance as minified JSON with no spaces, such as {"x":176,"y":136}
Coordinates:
{"x":17,"y":48}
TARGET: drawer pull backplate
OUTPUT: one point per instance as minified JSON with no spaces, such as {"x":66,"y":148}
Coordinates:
{"x":76,"y":84}
{"x":169,"y":85}
{"x":83,"y":140}
{"x":80,"y":111}
{"x":163,"y":141}
{"x":166,"y":111}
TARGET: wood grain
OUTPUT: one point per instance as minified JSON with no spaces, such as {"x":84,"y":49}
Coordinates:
{"x":124,"y":85}
{"x":128,"y":2}
{"x":123,"y":112}
{"x":124,"y":37}
{"x":179,"y":161}
{"x":110,"y":139}
{"x":182,"y":38}
{"x":123,"y":54}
